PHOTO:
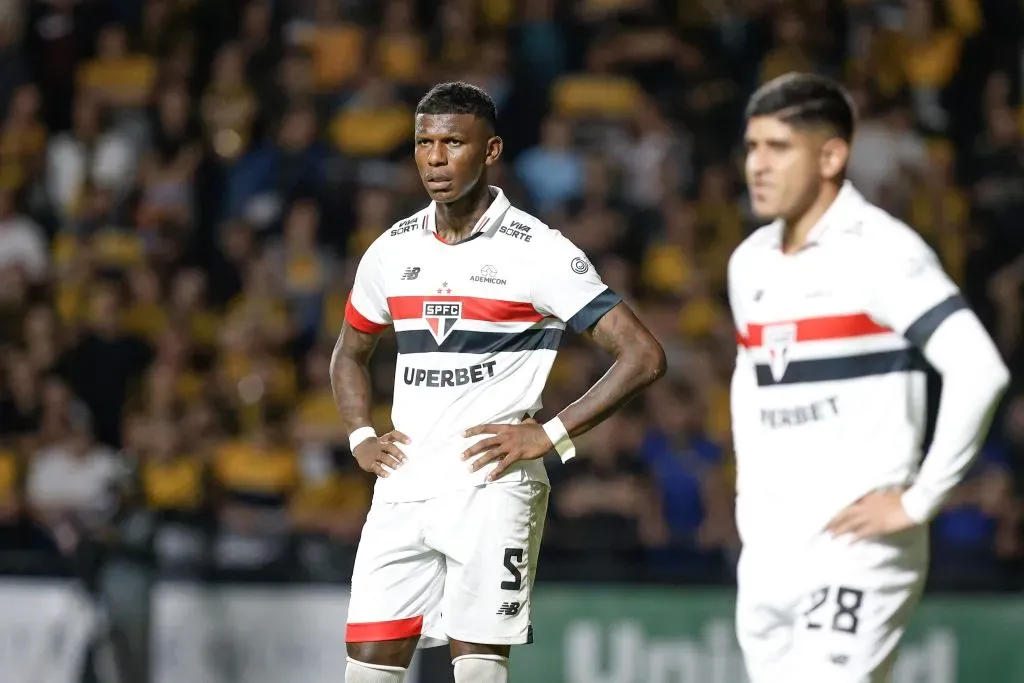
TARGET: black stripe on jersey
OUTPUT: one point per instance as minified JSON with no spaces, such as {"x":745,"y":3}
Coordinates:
{"x":924,"y":327}
{"x":844,"y":367}
{"x":587,"y":316}
{"x":472,"y":341}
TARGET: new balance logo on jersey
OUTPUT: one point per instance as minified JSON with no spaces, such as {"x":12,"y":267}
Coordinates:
{"x":411,"y":273}
{"x":509,"y":609}
{"x":441,"y":317}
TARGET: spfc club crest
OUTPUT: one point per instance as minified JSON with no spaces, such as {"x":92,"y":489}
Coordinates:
{"x":778,"y":340}
{"x":441,"y":317}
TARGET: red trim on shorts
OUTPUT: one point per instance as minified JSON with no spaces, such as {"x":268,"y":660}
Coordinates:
{"x":376,"y":631}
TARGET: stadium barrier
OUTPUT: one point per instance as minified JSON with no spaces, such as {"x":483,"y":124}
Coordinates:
{"x":45,"y":625}
{"x":584,"y":634}
{"x":613,"y":634}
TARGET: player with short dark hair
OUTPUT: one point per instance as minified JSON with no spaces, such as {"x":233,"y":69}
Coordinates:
{"x":479,"y":294}
{"x":839,"y":310}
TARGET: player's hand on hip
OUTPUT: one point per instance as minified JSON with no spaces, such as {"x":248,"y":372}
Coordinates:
{"x":879,"y":513}
{"x":381,"y":455}
{"x":508,"y":444}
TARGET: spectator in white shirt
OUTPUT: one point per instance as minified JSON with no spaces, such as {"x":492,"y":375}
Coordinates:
{"x":22,"y":244}
{"x":72,"y":479}
{"x":87,"y":156}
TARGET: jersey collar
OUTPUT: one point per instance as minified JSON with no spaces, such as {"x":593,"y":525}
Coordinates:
{"x":842,"y":211}
{"x":499,"y":205}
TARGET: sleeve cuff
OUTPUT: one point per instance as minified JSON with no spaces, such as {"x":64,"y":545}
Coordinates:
{"x":594,"y":310}
{"x":919,"y":505}
{"x":922,"y":329}
{"x":359,"y":321}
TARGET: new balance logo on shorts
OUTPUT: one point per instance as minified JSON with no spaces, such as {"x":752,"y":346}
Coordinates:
{"x":509,"y":609}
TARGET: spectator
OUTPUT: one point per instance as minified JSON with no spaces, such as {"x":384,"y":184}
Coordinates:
{"x":602,"y":509}
{"x":21,"y":407}
{"x":22,"y":242}
{"x":90,"y":156}
{"x":22,"y":140}
{"x":71,"y":481}
{"x":552,"y":172}
{"x":688,"y":470}
{"x":978,"y":532}
{"x":104,"y":361}
{"x":266,"y":179}
{"x":302,"y":267}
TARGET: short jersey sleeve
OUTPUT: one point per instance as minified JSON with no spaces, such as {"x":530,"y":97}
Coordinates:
{"x":733,"y":287}
{"x":568,"y":287}
{"x":367,"y":307}
{"x":912,"y":294}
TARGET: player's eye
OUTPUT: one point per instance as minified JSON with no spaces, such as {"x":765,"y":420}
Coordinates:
{"x":454,"y":143}
{"x":422,"y":142}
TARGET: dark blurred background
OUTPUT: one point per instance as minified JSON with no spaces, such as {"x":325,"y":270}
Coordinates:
{"x":186,"y":187}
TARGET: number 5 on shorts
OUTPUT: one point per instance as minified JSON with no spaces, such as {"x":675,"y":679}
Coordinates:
{"x":848,"y":604}
{"x":517,"y":576}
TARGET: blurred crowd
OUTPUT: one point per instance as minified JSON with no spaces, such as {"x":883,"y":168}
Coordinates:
{"x":186,"y":187}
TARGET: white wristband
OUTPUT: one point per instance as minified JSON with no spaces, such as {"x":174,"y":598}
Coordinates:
{"x":360,"y":435}
{"x":559,"y":436}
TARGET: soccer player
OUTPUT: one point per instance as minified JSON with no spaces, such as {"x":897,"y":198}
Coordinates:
{"x":479,"y":294}
{"x":839,"y":310}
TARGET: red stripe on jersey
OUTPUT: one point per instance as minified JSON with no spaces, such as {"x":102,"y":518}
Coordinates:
{"x":360,"y":322}
{"x":473,"y":308}
{"x":827,"y":328}
{"x":376,"y":631}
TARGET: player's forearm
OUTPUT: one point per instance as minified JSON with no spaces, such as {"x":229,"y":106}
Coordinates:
{"x":974,"y":378}
{"x":633,"y":370}
{"x":350,"y":379}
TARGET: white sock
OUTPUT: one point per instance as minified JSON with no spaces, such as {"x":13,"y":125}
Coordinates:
{"x":360,"y":672}
{"x":481,"y":669}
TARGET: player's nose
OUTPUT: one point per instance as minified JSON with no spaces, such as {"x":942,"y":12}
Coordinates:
{"x":436,"y":156}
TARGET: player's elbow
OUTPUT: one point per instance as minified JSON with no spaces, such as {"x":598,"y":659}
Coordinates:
{"x":650,"y":361}
{"x":1001,"y":378}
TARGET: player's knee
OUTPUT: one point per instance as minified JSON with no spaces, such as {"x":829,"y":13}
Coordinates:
{"x":362,"y":672}
{"x":479,"y":668}
{"x":387,"y":653}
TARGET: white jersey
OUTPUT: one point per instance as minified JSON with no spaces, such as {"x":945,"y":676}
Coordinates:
{"x":478,"y":325}
{"x":829,"y":391}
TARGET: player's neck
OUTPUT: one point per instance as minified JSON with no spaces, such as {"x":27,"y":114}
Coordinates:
{"x":456,"y":220}
{"x":796,"y":228}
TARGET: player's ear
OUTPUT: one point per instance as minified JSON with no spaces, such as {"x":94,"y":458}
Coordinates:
{"x":834,"y":155}
{"x":495,"y":146}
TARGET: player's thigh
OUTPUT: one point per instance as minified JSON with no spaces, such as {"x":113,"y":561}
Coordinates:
{"x":491,"y":553}
{"x":852,"y":622}
{"x":765,"y":609}
{"x":397,"y":581}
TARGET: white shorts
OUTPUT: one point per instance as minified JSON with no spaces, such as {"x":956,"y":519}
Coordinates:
{"x":830,"y":612}
{"x":457,"y":566}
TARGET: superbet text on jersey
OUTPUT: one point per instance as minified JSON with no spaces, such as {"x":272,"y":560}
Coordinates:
{"x":478,"y":325}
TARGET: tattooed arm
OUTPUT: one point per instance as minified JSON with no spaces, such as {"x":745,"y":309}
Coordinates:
{"x":350,"y":377}
{"x":352,"y":389}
